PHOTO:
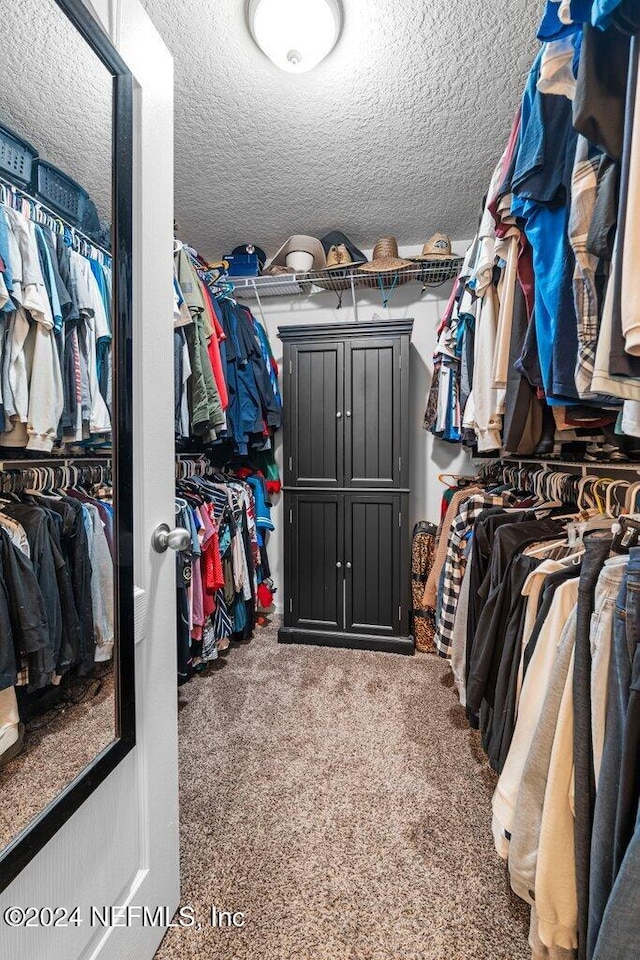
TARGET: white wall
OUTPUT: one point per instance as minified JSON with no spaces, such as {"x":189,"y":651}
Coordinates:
{"x":429,"y":456}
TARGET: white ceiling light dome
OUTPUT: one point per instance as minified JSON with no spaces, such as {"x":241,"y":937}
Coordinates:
{"x":295,"y":34}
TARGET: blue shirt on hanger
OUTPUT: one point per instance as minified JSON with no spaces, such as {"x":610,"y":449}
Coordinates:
{"x":541,"y":190}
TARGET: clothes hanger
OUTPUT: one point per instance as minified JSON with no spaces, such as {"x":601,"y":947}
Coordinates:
{"x":632,"y":493}
{"x":609,"y":505}
{"x":542,"y":548}
{"x":457,"y":478}
{"x":581,"y":500}
{"x":601,"y":482}
{"x":32,"y":480}
{"x":49,"y":483}
{"x":221,"y":265}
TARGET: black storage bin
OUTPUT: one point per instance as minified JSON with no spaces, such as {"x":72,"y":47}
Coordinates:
{"x":17,"y":157}
{"x":66,"y":197}
{"x":58,"y":191}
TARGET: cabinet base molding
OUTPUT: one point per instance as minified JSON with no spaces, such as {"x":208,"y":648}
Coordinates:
{"x":352,"y":641}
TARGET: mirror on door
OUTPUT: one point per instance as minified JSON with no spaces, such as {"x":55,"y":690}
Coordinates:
{"x":58,"y":643}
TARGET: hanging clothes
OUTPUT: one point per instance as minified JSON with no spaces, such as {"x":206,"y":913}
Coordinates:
{"x":56,"y":589}
{"x":549,"y":280}
{"x":537,"y":611}
{"x":55,"y":336}
{"x":227,"y":393}
{"x":221,"y":576}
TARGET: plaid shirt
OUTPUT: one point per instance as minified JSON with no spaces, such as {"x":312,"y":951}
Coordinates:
{"x":584,"y":184}
{"x":455,"y":564}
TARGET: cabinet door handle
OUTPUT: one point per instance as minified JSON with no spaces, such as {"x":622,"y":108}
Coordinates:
{"x":348,"y":413}
{"x":339,"y":564}
{"x":338,"y":415}
{"x":348,"y":565}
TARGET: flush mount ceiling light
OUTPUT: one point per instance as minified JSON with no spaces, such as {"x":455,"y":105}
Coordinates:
{"x":295,"y":34}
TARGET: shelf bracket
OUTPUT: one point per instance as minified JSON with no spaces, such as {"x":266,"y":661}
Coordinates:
{"x":355,"y":300}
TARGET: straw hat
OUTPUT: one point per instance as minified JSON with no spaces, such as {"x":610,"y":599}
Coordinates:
{"x":437,"y":247}
{"x":335,"y":238}
{"x":385,"y":258}
{"x":339,"y":258}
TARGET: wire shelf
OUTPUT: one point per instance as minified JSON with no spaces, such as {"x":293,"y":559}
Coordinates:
{"x":435,"y":272}
{"x":285,"y":285}
{"x":428,"y":273}
{"x":384,"y":280}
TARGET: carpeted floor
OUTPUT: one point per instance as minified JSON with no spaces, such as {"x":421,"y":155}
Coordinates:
{"x":57,"y":747}
{"x":338,"y":799}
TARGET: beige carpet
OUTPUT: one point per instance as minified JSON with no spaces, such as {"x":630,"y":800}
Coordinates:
{"x":57,"y":747}
{"x":340,"y":801}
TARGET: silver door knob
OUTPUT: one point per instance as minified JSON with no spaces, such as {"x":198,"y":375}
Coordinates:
{"x":163,"y":537}
{"x":338,"y":415}
{"x":348,"y":413}
{"x":348,"y":565}
{"x":338,"y":564}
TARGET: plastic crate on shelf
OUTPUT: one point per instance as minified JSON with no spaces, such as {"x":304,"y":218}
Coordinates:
{"x":17,"y":157}
{"x":242,"y":264}
{"x":59,"y":191}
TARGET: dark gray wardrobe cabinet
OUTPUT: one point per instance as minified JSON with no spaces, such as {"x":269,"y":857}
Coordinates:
{"x":346,"y":493}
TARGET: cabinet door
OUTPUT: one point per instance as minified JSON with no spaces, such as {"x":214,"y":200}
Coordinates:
{"x":313,"y":405}
{"x":372,"y":413}
{"x":315,"y":563}
{"x":374,"y":566}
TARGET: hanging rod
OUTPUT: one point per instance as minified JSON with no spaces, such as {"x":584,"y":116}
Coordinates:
{"x":585,"y":468}
{"x":55,"y":462}
{"x":54,"y":216}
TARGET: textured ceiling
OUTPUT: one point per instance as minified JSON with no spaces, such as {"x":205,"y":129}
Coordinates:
{"x":396,"y":132}
{"x":57,"y":94}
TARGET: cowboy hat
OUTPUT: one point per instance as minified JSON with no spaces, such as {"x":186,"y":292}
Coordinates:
{"x":301,"y":254}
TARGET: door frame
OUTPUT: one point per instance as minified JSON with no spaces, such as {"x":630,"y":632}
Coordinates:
{"x":28,"y":844}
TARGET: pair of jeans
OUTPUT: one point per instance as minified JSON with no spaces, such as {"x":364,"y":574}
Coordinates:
{"x":597,"y":548}
{"x":602,"y":621}
{"x":606,"y":853}
{"x":620,"y":930}
{"x":629,"y":790}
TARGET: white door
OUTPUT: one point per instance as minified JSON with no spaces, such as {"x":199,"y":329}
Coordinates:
{"x":121,"y":846}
